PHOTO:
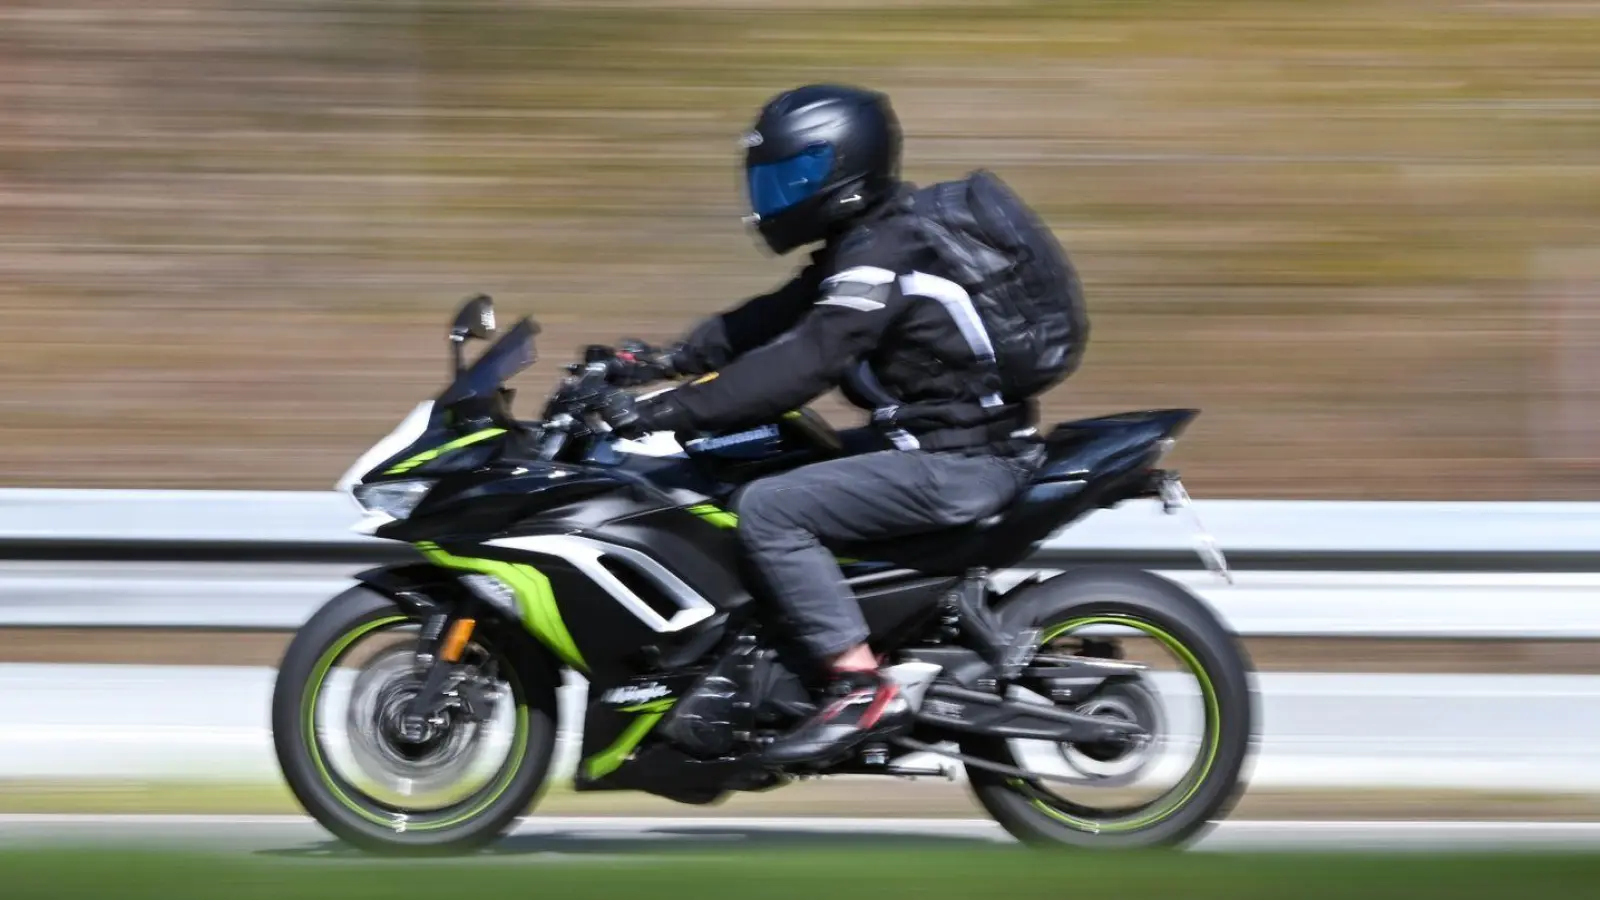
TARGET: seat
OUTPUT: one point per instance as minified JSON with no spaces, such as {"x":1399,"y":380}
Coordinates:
{"x":1088,"y":463}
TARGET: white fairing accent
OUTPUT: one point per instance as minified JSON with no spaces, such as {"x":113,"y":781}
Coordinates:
{"x":584,"y":554}
{"x":404,"y":435}
{"x":656,"y":443}
{"x":371,"y":522}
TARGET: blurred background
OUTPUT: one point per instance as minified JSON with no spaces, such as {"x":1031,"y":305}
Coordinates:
{"x":1362,"y":236}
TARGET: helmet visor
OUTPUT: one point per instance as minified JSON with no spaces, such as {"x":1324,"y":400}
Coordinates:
{"x":776,"y":186}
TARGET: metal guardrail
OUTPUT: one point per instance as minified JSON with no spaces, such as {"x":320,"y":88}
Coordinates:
{"x":264,"y":560}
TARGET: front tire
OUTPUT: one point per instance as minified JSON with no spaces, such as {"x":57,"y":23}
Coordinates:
{"x":1174,"y":618}
{"x":356,"y":815}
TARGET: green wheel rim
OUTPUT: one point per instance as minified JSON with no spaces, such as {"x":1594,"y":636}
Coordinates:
{"x":397,"y":819}
{"x":1186,"y":789}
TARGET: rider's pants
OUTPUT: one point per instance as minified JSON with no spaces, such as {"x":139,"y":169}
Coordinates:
{"x":787,"y":521}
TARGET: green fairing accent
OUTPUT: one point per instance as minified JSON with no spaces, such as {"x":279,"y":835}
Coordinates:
{"x":610,"y":759}
{"x":309,"y":708}
{"x":442,"y":449}
{"x":715,"y":516}
{"x":1213,"y":731}
{"x":652,"y":706}
{"x":534,"y":598}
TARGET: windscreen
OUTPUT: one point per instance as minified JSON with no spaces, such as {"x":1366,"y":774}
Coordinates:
{"x":499,"y":364}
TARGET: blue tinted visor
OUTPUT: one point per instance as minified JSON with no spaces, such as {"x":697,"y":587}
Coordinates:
{"x":774,"y":187}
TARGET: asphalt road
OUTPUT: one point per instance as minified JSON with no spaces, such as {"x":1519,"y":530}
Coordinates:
{"x":542,"y":839}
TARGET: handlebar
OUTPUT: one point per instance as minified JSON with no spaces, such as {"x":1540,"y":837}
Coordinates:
{"x":585,"y":389}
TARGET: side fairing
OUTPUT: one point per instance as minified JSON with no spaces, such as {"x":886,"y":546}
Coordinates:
{"x":617,"y":584}
{"x":476,"y":506}
{"x":627,"y":603}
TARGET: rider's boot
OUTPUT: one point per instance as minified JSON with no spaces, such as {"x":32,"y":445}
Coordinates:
{"x":858,"y":706}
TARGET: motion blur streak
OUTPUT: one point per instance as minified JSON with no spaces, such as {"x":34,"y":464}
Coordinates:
{"x":1360,"y":235}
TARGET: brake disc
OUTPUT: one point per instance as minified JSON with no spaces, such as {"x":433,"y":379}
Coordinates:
{"x":408,"y":756}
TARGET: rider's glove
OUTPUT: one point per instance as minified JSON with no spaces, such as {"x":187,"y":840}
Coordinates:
{"x":631,"y":418}
{"x":619,"y":410}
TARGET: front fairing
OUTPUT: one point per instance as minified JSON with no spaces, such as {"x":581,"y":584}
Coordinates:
{"x":409,"y":433}
{"x":462,"y":428}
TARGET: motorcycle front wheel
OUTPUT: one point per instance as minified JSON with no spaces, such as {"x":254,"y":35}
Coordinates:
{"x":380,"y":782}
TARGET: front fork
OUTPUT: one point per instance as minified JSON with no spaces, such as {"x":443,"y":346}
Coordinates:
{"x":446,"y":634}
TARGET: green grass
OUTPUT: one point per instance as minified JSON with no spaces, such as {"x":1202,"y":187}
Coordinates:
{"x":838,"y":873}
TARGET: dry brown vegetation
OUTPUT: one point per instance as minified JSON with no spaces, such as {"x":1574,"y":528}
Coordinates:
{"x":231,"y":233}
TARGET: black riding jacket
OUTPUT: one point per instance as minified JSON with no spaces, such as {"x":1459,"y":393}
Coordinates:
{"x":872,"y":313}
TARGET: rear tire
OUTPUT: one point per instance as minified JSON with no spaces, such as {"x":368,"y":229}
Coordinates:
{"x":365,"y":821}
{"x":1183,"y":623}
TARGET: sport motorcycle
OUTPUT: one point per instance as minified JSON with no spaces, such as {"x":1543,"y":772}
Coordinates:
{"x":552,"y":552}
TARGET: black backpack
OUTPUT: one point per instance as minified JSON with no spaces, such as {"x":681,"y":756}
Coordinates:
{"x":1022,"y":285}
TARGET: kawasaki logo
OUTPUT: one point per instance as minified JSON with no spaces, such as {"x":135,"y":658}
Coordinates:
{"x":635,"y":693}
{"x":728,"y":440}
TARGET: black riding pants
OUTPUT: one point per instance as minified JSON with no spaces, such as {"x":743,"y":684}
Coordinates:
{"x":786,"y":522}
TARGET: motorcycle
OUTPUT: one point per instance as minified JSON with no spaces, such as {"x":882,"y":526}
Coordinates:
{"x":549,"y":549}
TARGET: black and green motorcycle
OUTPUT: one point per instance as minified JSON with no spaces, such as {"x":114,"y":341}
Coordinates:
{"x":550,"y":551}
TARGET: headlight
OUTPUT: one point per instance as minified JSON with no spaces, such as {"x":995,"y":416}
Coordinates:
{"x":395,"y":499}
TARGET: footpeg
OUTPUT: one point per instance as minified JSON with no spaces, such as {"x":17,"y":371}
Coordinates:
{"x":913,"y":680}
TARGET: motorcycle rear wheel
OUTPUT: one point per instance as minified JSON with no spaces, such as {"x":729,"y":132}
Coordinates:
{"x":1163,"y":611}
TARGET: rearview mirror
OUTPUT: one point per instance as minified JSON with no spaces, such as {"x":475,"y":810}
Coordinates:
{"x":475,"y":319}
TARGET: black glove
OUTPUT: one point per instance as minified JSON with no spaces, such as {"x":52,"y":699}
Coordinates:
{"x":619,"y":410}
{"x":631,"y":418}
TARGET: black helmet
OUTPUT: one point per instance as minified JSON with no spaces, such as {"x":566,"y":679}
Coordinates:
{"x":817,"y":157}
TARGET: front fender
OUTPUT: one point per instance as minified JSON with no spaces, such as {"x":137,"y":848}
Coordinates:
{"x":421,"y":588}
{"x":426,"y":590}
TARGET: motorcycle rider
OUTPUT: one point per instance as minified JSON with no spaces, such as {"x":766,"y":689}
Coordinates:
{"x":823,"y":165}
